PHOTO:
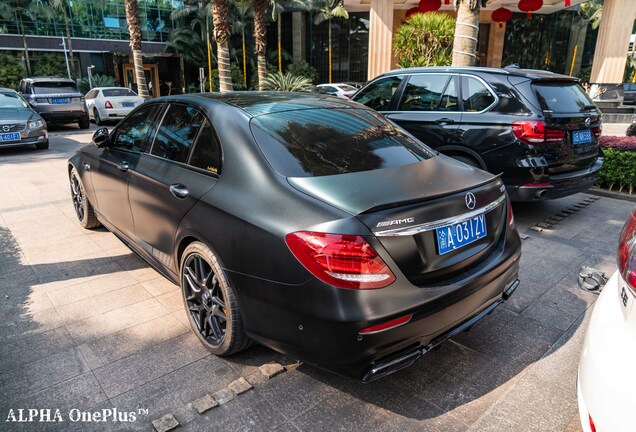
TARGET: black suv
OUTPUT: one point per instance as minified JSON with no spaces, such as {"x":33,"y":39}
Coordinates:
{"x":537,"y":128}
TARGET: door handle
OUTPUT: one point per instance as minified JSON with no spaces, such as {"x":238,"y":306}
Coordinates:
{"x":123,"y":166}
{"x":444,"y":121}
{"x":179,"y":190}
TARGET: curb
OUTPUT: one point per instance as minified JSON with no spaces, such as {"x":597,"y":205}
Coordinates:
{"x":610,"y":194}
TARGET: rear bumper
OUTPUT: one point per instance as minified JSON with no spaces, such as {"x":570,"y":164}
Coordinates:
{"x":114,"y":113}
{"x":558,"y":186}
{"x":62,"y":116}
{"x":321,"y":325}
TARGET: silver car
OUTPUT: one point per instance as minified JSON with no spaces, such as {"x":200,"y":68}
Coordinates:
{"x":57,"y":100}
{"x":19,"y":124}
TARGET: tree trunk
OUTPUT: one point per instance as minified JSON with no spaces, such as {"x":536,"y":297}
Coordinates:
{"x":132,"y":18}
{"x":26,"y":48}
{"x":222,"y":37}
{"x":330,"y":68}
{"x":466,"y":33}
{"x":260,"y":40}
{"x":280,"y":47}
{"x":69,"y":44}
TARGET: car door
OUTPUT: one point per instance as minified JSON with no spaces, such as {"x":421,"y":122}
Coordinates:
{"x":169,"y":180}
{"x":429,"y":108}
{"x":111,"y":167}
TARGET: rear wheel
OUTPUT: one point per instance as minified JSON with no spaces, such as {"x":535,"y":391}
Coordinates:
{"x":467,"y":160}
{"x":98,"y":119}
{"x":83,"y":209}
{"x":210,"y":302}
{"x":84,"y":123}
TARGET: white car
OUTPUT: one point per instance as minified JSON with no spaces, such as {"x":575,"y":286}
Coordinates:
{"x":344,"y":91}
{"x":606,"y":380}
{"x":111,"y":103}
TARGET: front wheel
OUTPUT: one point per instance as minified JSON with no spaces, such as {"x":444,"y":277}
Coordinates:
{"x":42,"y":145}
{"x":210,"y":302}
{"x":83,"y":208}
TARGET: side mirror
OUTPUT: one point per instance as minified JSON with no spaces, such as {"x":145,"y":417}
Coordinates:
{"x":101,"y":138}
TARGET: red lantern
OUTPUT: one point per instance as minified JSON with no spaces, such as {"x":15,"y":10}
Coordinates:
{"x":410,"y":12}
{"x":448,"y":1}
{"x":429,"y":5}
{"x":501,"y":15}
{"x":568,"y":3}
{"x":530,"y":6}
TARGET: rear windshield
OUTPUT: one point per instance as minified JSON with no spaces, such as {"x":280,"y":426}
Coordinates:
{"x":11,"y":100}
{"x":321,"y":142}
{"x":119,"y":92}
{"x":562,"y":97}
{"x":54,"y":87}
{"x":346,"y":87}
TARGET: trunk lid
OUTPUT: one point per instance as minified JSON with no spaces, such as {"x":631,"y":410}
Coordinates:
{"x":406,"y":206}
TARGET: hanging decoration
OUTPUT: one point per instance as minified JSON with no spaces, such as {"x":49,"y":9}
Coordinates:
{"x":429,"y":5}
{"x":411,"y":11}
{"x":568,"y":3}
{"x":501,"y":15}
{"x":530,"y":6}
{"x":448,"y":1}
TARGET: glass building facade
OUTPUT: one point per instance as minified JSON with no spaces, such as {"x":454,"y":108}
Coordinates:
{"x":102,"y":20}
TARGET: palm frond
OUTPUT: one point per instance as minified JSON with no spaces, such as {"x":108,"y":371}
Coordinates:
{"x":287,"y":82}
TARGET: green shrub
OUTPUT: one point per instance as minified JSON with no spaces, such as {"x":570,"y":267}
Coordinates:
{"x":11,"y":71}
{"x":97,"y":80}
{"x":619,"y":168}
{"x":302,"y":68}
{"x":425,"y":39}
{"x":50,"y":65}
{"x":287,"y":82}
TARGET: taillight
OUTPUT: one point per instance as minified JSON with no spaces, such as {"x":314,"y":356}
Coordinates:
{"x":597,"y":131}
{"x":535,"y":132}
{"x":344,"y":261}
{"x":108,"y":105}
{"x":626,"y":254}
{"x":592,"y":426}
{"x":348,"y":95}
{"x":387,"y":325}
{"x":511,"y":216}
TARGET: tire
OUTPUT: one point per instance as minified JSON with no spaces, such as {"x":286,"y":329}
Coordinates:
{"x":467,"y":160}
{"x":213,"y":310}
{"x":98,"y":120}
{"x":83,"y":208}
{"x":84,"y":123}
{"x":42,"y":145}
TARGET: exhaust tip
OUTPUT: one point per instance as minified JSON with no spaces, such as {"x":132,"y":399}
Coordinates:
{"x":541,"y":193}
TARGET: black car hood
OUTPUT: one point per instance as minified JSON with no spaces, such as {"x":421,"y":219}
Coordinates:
{"x":367,"y":191}
{"x":16,"y":115}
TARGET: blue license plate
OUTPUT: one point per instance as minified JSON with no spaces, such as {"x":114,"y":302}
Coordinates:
{"x":455,"y":236}
{"x":59,"y":101}
{"x":10,"y":137}
{"x":581,"y":137}
{"x":127,"y":104}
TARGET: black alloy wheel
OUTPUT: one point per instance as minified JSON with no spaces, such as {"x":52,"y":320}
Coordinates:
{"x":98,"y":120}
{"x":210,"y":302}
{"x":83,"y":208}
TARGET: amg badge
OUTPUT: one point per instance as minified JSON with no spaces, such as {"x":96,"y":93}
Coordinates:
{"x":395,"y":222}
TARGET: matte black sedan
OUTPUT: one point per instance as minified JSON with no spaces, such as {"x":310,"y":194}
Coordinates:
{"x":306,"y":223}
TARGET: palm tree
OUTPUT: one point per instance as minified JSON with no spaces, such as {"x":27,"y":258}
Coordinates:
{"x":60,"y":6}
{"x":278,"y":7}
{"x":592,"y":11}
{"x":244,"y":8}
{"x":134,"y":29}
{"x":326,"y":11}
{"x":222,"y":37}
{"x":466,"y":32}
{"x":260,"y":40}
{"x":11,"y":10}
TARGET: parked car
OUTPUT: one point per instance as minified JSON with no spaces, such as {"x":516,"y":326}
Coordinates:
{"x":340,"y":90}
{"x":57,"y":100}
{"x":629,"y":93}
{"x":605,"y":381}
{"x":111,"y":103}
{"x":19,"y":124}
{"x":306,"y":223}
{"x":537,"y":128}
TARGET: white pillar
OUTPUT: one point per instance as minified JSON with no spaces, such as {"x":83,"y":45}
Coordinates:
{"x":380,"y":37}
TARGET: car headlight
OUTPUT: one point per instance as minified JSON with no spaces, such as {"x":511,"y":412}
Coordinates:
{"x":36,"y":124}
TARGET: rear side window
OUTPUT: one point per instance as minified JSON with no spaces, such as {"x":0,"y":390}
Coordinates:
{"x":206,"y":152}
{"x":475,"y":95}
{"x":560,"y":97}
{"x":118,"y":92}
{"x":177,"y":132}
{"x":321,"y":142}
{"x":378,"y":95}
{"x":423,"y":92}
{"x":54,"y":87}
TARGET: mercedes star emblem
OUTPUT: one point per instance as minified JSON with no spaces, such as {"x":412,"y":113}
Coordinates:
{"x":470,"y":201}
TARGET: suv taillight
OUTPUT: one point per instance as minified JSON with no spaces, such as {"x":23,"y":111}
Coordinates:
{"x":344,"y":261}
{"x":626,"y":254}
{"x":597,"y":131}
{"x":535,"y":132}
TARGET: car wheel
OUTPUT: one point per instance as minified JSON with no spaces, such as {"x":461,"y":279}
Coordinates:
{"x":42,"y":145}
{"x":83,"y":208}
{"x":98,"y":120}
{"x":84,"y":123}
{"x":210,"y":302}
{"x":467,"y":160}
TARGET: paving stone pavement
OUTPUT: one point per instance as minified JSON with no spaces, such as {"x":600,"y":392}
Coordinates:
{"x":87,"y":327}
